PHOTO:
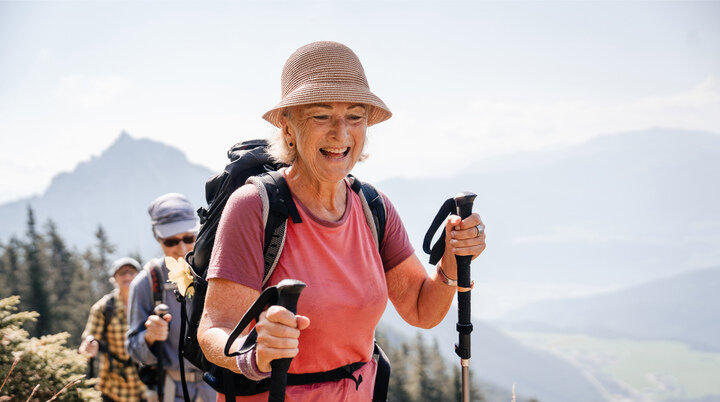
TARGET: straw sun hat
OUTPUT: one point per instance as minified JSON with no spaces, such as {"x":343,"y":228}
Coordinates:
{"x":326,"y":72}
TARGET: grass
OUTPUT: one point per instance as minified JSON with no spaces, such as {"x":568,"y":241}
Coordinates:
{"x":655,"y":370}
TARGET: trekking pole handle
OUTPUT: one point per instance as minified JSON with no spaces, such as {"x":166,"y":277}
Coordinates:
{"x":463,"y":208}
{"x":464,"y":204}
{"x":161,"y":310}
{"x":288,"y":294}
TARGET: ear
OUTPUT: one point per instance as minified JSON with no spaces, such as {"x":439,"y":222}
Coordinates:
{"x":288,"y":131}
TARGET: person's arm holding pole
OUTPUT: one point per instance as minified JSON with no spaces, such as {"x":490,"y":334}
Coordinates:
{"x":424,"y":300}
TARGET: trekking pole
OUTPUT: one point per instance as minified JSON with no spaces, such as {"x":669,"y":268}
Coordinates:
{"x":160,"y":310}
{"x":463,"y":205}
{"x":288,"y":294}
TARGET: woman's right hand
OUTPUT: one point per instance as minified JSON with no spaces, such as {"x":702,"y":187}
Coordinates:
{"x":278,"y":331}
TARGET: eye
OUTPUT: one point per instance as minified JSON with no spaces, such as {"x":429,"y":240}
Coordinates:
{"x":320,"y":117}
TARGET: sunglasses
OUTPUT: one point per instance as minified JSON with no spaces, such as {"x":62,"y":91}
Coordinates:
{"x":174,"y":241}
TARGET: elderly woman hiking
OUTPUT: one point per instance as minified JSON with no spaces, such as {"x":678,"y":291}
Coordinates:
{"x":323,"y":116}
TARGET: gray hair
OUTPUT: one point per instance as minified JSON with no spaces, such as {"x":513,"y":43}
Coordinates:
{"x":282,"y":153}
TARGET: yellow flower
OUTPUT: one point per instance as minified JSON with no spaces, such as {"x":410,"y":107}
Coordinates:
{"x":180,"y":275}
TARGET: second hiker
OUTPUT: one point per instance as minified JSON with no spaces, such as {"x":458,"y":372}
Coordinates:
{"x":152,"y":340}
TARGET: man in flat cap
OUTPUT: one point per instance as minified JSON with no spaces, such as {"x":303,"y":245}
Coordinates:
{"x":153,"y":338}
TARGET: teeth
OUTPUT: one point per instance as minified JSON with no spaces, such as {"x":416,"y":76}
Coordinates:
{"x":335,"y":150}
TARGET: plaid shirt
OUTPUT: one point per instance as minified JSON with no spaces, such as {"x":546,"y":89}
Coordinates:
{"x":122,"y":383}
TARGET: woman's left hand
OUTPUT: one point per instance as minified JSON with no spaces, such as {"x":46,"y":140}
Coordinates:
{"x":462,"y":237}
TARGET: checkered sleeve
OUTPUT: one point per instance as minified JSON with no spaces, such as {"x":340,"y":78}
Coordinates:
{"x":95,"y":320}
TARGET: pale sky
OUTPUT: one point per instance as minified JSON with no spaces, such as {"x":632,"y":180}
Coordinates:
{"x":464,"y":80}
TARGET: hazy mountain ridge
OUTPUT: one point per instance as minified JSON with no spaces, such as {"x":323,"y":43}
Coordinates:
{"x":616,"y":211}
{"x":114,"y":190}
{"x":680,"y":308}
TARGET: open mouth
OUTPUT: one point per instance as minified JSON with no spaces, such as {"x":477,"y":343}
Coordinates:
{"x":335,"y":152}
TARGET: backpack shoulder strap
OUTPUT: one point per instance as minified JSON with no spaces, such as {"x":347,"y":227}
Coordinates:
{"x":107,"y":314}
{"x":277,"y":206}
{"x":373,"y":207}
{"x":155,"y":277}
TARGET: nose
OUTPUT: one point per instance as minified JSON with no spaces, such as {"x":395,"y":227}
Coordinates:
{"x":340,"y":127}
{"x":186,"y":248}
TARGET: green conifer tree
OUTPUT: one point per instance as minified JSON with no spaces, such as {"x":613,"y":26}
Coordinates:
{"x":70,"y":300}
{"x":398,"y":387}
{"x":4,"y":272}
{"x":98,"y":261}
{"x":14,"y":278}
{"x":440,"y":389}
{"x":37,"y":276}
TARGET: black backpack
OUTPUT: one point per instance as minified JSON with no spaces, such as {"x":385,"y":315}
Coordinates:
{"x":250,"y":162}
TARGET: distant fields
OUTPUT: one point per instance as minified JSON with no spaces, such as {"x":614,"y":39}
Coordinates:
{"x":630,"y":370}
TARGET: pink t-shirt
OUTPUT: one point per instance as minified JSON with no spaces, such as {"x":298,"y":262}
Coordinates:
{"x":346,"y":293}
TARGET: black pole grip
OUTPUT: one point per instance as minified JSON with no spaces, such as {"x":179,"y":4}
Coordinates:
{"x":463,"y":206}
{"x":160,"y":310}
{"x":288,"y":294}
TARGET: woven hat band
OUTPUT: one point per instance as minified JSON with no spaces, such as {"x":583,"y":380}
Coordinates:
{"x":326,"y":72}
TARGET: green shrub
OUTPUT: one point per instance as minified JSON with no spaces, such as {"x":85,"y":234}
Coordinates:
{"x":45,"y":363}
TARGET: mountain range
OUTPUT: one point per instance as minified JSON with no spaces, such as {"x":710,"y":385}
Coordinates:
{"x":114,"y":191}
{"x":615,"y":211}
{"x":680,"y":308}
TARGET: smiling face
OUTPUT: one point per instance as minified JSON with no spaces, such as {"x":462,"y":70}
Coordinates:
{"x":329,"y":137}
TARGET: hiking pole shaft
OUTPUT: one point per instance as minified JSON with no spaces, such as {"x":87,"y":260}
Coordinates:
{"x":464,"y":204}
{"x":465,"y":363}
{"x":160,"y":310}
{"x":288,"y":294}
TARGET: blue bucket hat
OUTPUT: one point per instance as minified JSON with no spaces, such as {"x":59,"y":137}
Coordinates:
{"x":172,"y":214}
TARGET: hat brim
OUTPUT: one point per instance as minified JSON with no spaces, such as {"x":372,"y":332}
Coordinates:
{"x":171,"y":229}
{"x":330,"y":92}
{"x":124,"y":262}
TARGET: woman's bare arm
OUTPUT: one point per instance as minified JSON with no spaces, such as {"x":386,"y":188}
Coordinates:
{"x":423,"y":300}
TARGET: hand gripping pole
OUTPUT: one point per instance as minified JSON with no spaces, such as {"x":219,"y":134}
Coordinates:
{"x":288,"y":293}
{"x":160,"y":310}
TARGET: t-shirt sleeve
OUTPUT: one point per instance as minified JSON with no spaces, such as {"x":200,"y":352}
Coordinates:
{"x":396,"y":245}
{"x":238,"y":251}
